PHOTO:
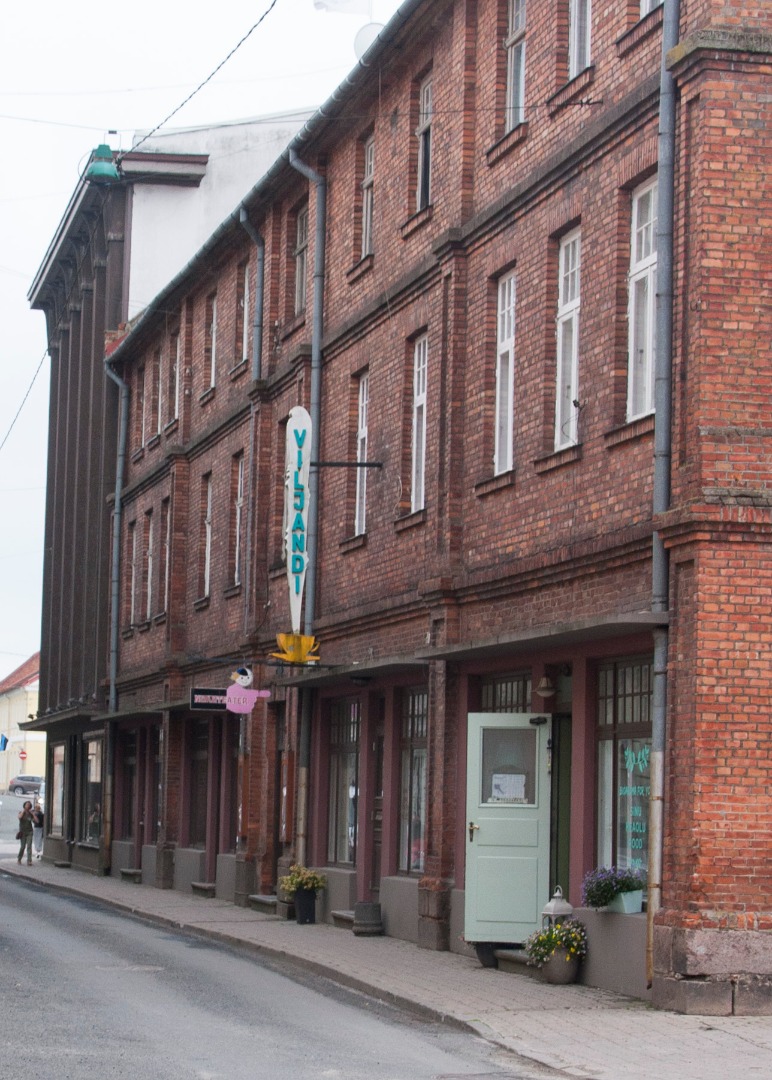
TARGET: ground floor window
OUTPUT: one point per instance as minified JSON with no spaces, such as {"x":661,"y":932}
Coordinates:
{"x":198,"y":776}
{"x":91,"y":790}
{"x":412,"y":803}
{"x":345,"y":719}
{"x":128,"y":785}
{"x":506,"y":694}
{"x":57,"y":789}
{"x":624,"y":747}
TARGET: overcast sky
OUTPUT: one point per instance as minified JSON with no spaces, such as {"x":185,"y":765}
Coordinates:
{"x":69,"y":73}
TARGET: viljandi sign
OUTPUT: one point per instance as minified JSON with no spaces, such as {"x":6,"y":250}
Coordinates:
{"x":297,"y":467}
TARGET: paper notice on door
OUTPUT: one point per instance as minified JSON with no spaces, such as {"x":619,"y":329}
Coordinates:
{"x":508,"y":787}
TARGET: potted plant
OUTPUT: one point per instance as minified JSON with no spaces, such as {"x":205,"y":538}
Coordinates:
{"x":557,"y":949}
{"x":614,"y":888}
{"x":302,"y":884}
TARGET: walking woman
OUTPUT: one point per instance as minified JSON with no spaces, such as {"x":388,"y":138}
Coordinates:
{"x":24,"y":834}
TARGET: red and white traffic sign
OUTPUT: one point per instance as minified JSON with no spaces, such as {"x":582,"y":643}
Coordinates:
{"x":23,"y":755}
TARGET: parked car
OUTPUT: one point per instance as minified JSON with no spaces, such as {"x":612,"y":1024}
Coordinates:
{"x":25,"y":785}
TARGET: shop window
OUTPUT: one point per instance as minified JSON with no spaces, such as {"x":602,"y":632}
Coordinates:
{"x":344,"y":782}
{"x":128,"y":786}
{"x":91,"y":791}
{"x":413,"y":786}
{"x":624,"y":746}
{"x":57,"y":790}
{"x":198,"y":770}
{"x":507,"y":694}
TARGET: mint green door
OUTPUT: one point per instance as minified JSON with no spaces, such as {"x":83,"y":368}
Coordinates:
{"x":507,"y":825}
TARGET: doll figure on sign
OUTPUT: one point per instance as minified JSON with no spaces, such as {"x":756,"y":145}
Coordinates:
{"x":241,"y":698}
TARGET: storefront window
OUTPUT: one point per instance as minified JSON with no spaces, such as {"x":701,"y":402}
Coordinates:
{"x":412,"y":804}
{"x":91,"y":789}
{"x":57,"y":790}
{"x":506,"y":694}
{"x":199,"y":769}
{"x":128,"y":785}
{"x":624,"y":747}
{"x":344,"y":782}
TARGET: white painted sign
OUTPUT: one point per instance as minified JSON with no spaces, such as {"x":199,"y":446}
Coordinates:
{"x":297,"y":467}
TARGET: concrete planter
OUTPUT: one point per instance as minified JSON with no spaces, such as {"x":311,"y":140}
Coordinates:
{"x":628,"y":903}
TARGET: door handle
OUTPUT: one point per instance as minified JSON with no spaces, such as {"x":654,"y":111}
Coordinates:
{"x":472,"y":829}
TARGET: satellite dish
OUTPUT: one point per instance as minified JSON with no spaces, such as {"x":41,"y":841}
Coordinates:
{"x":366,"y":37}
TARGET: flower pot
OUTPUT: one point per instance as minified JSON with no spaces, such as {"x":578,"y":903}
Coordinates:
{"x":561,"y":968}
{"x":305,"y":905}
{"x":628,"y":903}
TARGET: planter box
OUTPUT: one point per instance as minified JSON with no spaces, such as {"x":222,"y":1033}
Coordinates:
{"x":628,"y":903}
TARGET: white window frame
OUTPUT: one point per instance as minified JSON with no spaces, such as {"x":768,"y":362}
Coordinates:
{"x":212,"y":331}
{"x":647,"y":6}
{"x":301,"y":257}
{"x":176,"y":392}
{"x":141,"y":396}
{"x":360,"y":517}
{"x":642,"y":302}
{"x":567,"y":371}
{"x":503,"y":452}
{"x":368,"y":175}
{"x":514,"y":44}
{"x":238,"y":516}
{"x":418,"y":467}
{"x":158,"y":379}
{"x":245,"y":327}
{"x":579,"y":36}
{"x":132,"y":572}
{"x":208,"y":535}
{"x":150,"y":564}
{"x":424,"y":136}
{"x":166,"y":519}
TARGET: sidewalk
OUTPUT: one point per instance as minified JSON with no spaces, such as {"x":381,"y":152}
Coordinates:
{"x":581,"y":1032}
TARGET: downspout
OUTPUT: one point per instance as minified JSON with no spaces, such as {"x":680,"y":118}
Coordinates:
{"x":115,"y":579}
{"x":304,"y":748}
{"x":257,"y":353}
{"x":663,"y":406}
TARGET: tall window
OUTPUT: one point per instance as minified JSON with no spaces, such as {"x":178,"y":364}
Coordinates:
{"x":133,"y":572}
{"x":367,"y":196}
{"x":567,"y":384}
{"x":210,"y":348}
{"x":413,"y":786}
{"x":344,"y":781}
{"x":198,"y":769}
{"x":624,"y":747}
{"x":301,"y":257}
{"x":424,"y":135}
{"x":155,"y":398}
{"x":361,"y":497}
{"x":140,"y":406}
{"x":149,"y":565}
{"x":166,"y":549}
{"x":242,"y":313}
{"x":505,"y":375}
{"x":420,"y":357}
{"x":237,"y":516}
{"x":173,"y":387}
{"x":56,"y":824}
{"x":579,"y":21}
{"x":514,"y":43}
{"x":206,"y":536}
{"x":641,"y":301}
{"x":91,"y":790}
{"x":128,"y":785}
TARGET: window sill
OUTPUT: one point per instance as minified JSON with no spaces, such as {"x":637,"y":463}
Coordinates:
{"x":418,"y":517}
{"x":352,"y":543}
{"x":495,"y":483}
{"x":503,"y":147}
{"x":127,"y":633}
{"x":277,"y":571}
{"x":294,"y":324}
{"x":638,"y":33}
{"x":362,"y":267}
{"x":417,"y":221}
{"x":171,"y":427}
{"x":567,"y":94}
{"x":207,"y":395}
{"x":152,"y":443}
{"x":159,"y":619}
{"x":201,"y":604}
{"x":238,"y":369}
{"x":143,"y":627}
{"x":557,"y":460}
{"x":232,"y":590}
{"x":634,"y":429}
{"x":137,"y":455}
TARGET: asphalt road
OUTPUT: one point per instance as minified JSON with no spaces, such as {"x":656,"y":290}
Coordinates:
{"x":91,"y":993}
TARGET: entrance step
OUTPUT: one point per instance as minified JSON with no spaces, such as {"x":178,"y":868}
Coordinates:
{"x":206,"y":889}
{"x":132,"y":875}
{"x":266,"y":904}
{"x":516,"y":960}
{"x":343,"y":919}
{"x":62,"y":864}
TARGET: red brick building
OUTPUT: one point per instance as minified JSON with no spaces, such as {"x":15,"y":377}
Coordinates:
{"x":537,"y":552}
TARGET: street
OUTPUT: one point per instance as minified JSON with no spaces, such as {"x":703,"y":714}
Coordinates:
{"x":91,"y":993}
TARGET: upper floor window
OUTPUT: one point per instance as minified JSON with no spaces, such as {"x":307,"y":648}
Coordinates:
{"x":301,"y":257}
{"x":133,"y":546}
{"x":242,"y":313}
{"x":173,"y":387}
{"x":149,"y":564}
{"x":424,"y":135}
{"x":140,"y":407}
{"x":579,"y":21}
{"x":567,"y":376}
{"x":205,"y":572}
{"x":420,"y":359}
{"x":648,"y":6}
{"x":237,"y":517}
{"x":361,"y":493}
{"x":503,"y":454}
{"x":155,"y":396}
{"x":166,"y":551}
{"x":641,"y":301}
{"x":367,"y":196}
{"x":210,"y":347}
{"x":514,"y":43}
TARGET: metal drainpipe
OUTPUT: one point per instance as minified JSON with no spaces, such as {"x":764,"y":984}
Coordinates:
{"x":304,"y":749}
{"x":662,"y":462}
{"x":115,"y":579}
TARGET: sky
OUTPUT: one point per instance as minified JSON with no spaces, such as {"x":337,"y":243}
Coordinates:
{"x":69,"y":75}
